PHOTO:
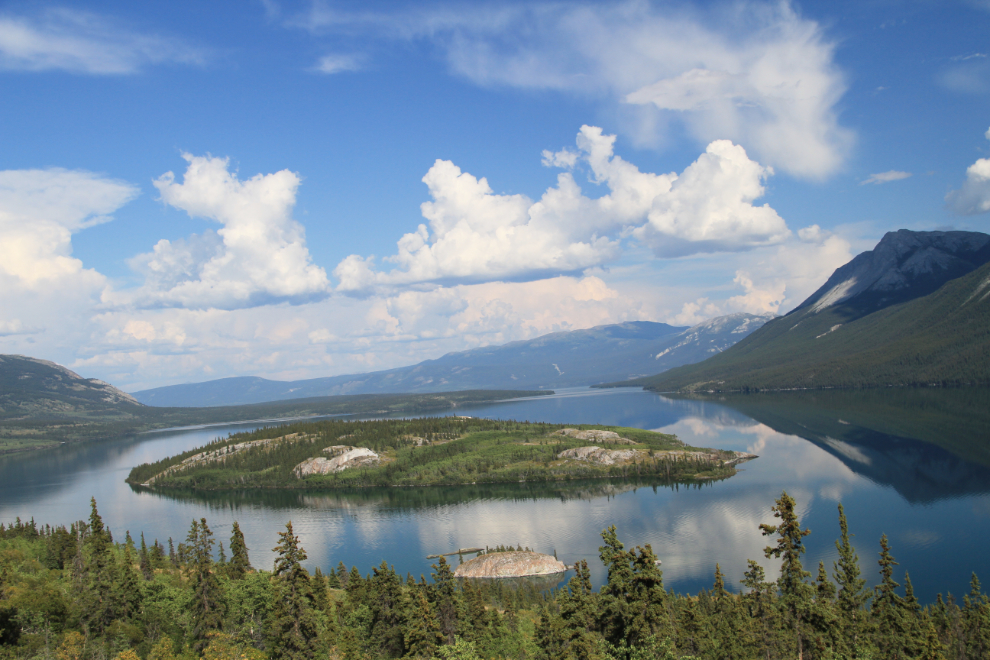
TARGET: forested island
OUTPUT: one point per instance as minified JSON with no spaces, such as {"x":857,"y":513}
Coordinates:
{"x":431,"y":451}
{"x":75,"y":593}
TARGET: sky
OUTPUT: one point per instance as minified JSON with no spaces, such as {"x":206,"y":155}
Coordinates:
{"x":297,"y":189}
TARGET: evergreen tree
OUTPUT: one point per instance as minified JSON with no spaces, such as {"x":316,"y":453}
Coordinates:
{"x":146,"y":571}
{"x":795,"y":592}
{"x":760,"y":610}
{"x":385,"y":601}
{"x":293,"y":629}
{"x":578,"y":608}
{"x":443,"y":595}
{"x":101,"y":573}
{"x":852,"y":594}
{"x":888,"y":608}
{"x":127,"y":593}
{"x":208,"y":602}
{"x":239,"y":563}
{"x":422,"y":632}
{"x":976,"y":621}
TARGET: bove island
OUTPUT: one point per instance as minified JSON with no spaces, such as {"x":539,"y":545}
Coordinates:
{"x":432,"y":451}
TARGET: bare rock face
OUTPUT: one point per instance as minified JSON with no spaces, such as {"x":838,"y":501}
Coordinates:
{"x":595,"y":435}
{"x":344,"y":457}
{"x":510,"y":564}
{"x":600,"y":455}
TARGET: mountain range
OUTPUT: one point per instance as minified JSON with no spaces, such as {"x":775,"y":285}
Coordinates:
{"x":561,"y":359}
{"x":913,"y":311}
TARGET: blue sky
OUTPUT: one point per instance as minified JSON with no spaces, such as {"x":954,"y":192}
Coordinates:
{"x":299,"y":189}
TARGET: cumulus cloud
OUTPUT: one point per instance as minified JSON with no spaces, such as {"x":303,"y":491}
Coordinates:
{"x":83,"y":42}
{"x":476,"y":235}
{"x":257,"y":256}
{"x":974,"y":196}
{"x":776,"y":279}
{"x":710,"y":207}
{"x":39,"y":212}
{"x":762,"y":75}
{"x":885,"y":177}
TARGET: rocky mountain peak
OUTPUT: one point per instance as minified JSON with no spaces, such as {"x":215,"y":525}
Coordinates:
{"x":903,"y":266}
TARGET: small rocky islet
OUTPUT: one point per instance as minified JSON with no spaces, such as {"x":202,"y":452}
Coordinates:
{"x":510,"y":564}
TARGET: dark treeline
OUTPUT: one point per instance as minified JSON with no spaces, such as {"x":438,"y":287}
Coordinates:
{"x":422,"y":451}
{"x":76,"y":594}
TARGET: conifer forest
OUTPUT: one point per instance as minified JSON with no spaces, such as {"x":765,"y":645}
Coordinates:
{"x":78,"y":593}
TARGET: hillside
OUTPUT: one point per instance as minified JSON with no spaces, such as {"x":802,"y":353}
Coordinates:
{"x":562,"y":359}
{"x":914,"y":311}
{"x":43,"y":404}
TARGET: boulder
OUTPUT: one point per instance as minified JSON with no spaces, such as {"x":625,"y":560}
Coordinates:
{"x":509,"y":565}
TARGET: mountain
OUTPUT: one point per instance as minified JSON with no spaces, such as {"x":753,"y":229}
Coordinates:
{"x":913,"y":311}
{"x":562,"y":359}
{"x":29,"y":387}
{"x":43,"y":404}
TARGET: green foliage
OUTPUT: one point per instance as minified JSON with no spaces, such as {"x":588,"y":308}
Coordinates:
{"x":939,"y":339}
{"x":46,"y":611}
{"x":418,"y":452}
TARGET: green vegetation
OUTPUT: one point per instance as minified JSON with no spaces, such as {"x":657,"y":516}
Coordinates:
{"x":425,"y":451}
{"x":940,"y":339}
{"x":75,"y":594}
{"x":43,"y":417}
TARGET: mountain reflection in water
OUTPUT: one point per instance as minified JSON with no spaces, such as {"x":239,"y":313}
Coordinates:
{"x":912,"y":464}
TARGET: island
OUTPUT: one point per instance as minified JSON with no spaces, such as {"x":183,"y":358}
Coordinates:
{"x":431,"y":451}
{"x":510,"y":564}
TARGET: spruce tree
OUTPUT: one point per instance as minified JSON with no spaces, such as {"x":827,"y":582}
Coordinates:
{"x":889,"y":613}
{"x":239,"y":563}
{"x":422,"y":631}
{"x":795,"y":592}
{"x":385,"y":595}
{"x":976,"y":621}
{"x":146,"y":571}
{"x":293,"y":627}
{"x":443,"y":595}
{"x":101,"y":573}
{"x":208,"y":605}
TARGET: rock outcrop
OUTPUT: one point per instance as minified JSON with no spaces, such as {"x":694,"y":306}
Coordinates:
{"x":509,"y":565}
{"x":215,"y":455}
{"x":595,"y":435}
{"x":343,"y":457}
{"x":600,"y":455}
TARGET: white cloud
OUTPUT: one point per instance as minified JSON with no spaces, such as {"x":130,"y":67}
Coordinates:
{"x":974,"y":196}
{"x":39,"y":212}
{"x":338,"y":63}
{"x":83,"y":42}
{"x":776,"y":279}
{"x":756,"y":73}
{"x":477,"y":235}
{"x":885,"y":177}
{"x":710,"y":207}
{"x":258,"y":256}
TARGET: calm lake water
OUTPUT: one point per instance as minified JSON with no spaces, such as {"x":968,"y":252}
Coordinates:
{"x":911,"y":464}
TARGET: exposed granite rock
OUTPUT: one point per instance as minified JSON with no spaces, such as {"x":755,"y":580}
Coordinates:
{"x":222,"y":453}
{"x":344,"y":457}
{"x":600,"y":455}
{"x":510,"y":564}
{"x":595,"y":435}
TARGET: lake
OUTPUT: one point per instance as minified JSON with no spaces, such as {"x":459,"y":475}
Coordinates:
{"x":911,"y":464}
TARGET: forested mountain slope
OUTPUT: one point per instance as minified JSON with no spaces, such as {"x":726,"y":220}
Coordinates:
{"x":899,"y":315}
{"x":560,"y":359}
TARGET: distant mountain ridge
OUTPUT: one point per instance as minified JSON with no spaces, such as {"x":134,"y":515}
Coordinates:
{"x":29,"y":386}
{"x":561,"y":359}
{"x":913,"y":311}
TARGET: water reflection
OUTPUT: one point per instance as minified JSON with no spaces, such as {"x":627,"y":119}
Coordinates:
{"x":911,"y":464}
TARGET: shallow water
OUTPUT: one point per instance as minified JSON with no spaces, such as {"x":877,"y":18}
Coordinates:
{"x":914,"y":465}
